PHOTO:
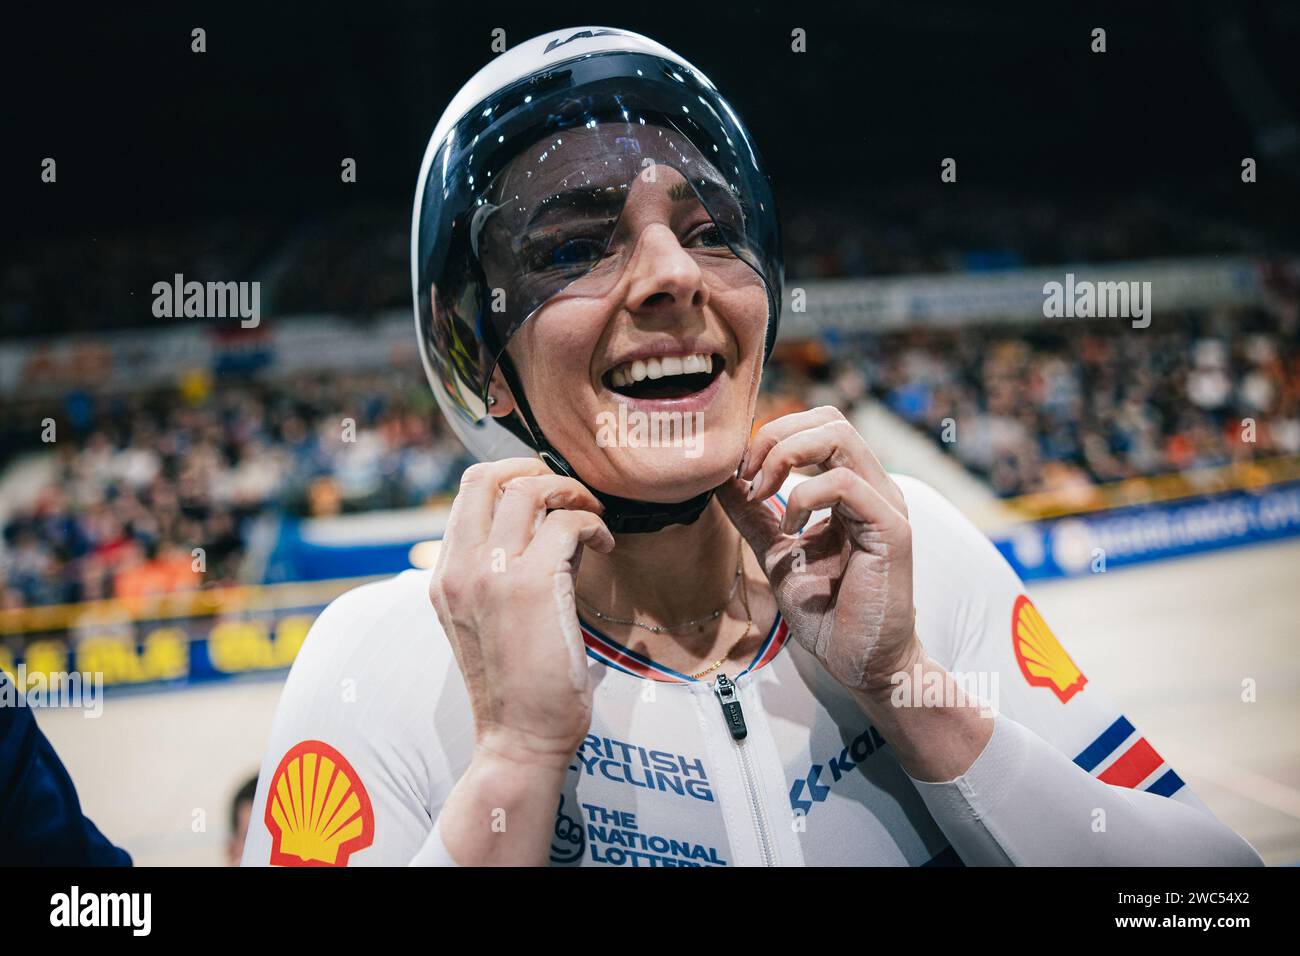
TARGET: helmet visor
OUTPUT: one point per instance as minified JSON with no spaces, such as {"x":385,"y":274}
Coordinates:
{"x":568,"y":215}
{"x":555,"y":186}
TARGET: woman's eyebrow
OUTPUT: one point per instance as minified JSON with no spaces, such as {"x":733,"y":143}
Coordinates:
{"x":584,"y":198}
{"x":600,"y":198}
{"x":715,"y":195}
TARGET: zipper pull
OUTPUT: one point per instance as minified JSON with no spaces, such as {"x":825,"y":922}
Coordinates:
{"x":731,"y":712}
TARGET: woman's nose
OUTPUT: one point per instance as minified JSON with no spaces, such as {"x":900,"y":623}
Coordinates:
{"x":664,"y":275}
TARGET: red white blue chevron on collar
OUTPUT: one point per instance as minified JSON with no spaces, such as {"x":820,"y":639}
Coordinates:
{"x":613,"y":654}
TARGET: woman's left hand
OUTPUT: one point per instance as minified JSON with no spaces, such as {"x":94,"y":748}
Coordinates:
{"x":844,"y":585}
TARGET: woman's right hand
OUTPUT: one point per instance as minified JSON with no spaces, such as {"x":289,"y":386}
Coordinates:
{"x":503,"y":588}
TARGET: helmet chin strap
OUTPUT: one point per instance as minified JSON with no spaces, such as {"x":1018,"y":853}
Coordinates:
{"x":622,"y":515}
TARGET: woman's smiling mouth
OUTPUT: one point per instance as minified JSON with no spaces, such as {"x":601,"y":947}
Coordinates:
{"x":664,"y":377}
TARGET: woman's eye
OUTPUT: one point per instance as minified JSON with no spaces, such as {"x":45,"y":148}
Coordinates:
{"x":573,"y":252}
{"x":562,"y":253}
{"x":707,"y":235}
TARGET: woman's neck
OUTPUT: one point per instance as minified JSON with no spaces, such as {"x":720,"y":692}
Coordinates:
{"x":680,"y":573}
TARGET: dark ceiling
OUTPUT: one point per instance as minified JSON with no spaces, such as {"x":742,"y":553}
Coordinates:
{"x":146,"y":131}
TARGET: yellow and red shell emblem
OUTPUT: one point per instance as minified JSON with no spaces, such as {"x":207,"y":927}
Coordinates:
{"x":1040,"y":655}
{"x":317,"y":809}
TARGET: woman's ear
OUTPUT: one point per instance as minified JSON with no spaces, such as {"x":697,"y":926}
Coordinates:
{"x":501,"y":402}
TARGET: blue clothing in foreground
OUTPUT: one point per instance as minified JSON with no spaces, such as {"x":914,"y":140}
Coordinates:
{"x":41,"y":823}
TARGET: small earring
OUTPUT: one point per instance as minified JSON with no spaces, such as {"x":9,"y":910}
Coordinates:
{"x":492,"y":400}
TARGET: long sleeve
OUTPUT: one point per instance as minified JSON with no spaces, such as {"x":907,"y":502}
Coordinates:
{"x":1024,"y":803}
{"x":434,"y":851}
{"x":1065,"y":779}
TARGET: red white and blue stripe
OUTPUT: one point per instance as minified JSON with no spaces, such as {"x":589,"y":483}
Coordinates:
{"x":1122,"y":757}
{"x":613,"y":654}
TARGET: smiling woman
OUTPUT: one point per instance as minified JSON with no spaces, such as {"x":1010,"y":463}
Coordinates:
{"x":563,"y":172}
{"x":594,"y":239}
{"x":644,"y":297}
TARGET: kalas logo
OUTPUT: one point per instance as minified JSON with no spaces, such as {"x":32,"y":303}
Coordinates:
{"x":859,"y":749}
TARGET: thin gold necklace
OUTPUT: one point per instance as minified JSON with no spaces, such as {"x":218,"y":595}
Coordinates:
{"x":663,"y":628}
{"x":749,"y":623}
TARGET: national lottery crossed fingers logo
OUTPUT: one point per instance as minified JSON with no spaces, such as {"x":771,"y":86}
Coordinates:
{"x":570,"y":842}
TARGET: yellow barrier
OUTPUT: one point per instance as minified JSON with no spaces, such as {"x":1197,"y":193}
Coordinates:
{"x":1238,"y":476}
{"x":181,"y":604}
{"x":184,"y":638}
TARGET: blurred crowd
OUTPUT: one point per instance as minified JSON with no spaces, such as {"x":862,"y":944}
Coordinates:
{"x":355,"y":262}
{"x":1056,"y":405}
{"x":161,"y":490}
{"x":100,"y":281}
{"x":906,"y":231}
{"x":152,"y":477}
{"x":1037,"y":407}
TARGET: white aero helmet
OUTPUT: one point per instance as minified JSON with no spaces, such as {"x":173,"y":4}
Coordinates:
{"x":519,"y":200}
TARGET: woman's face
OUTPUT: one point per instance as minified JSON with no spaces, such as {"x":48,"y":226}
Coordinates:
{"x":643,"y":371}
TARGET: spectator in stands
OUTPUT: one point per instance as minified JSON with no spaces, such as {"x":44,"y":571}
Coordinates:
{"x":241,"y":810}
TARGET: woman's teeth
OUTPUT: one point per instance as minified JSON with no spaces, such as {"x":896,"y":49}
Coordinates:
{"x":629,"y":373}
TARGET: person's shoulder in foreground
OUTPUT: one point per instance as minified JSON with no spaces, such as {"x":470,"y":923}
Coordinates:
{"x":41,"y":823}
{"x":371,"y":709}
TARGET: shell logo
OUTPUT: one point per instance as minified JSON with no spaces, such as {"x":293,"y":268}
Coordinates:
{"x":1040,"y":655}
{"x":317,"y":810}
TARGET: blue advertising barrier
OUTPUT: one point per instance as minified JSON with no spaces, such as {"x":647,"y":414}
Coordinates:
{"x":1082,"y":544}
{"x":296,"y":558}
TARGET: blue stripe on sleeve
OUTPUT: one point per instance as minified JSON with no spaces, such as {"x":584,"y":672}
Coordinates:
{"x":1168,"y":784}
{"x":1103,"y":746}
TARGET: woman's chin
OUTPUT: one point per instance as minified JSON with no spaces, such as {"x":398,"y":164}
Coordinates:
{"x":667,"y":475}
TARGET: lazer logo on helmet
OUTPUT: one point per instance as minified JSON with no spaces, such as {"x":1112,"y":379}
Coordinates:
{"x":580,"y":35}
{"x":636,"y":766}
